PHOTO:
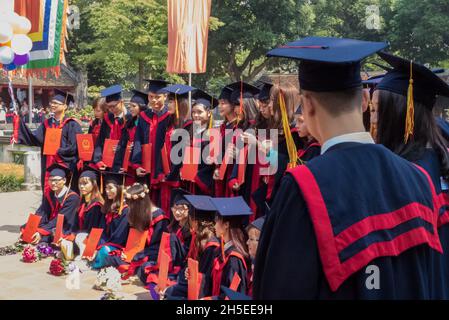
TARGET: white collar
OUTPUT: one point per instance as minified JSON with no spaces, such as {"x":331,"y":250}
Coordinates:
{"x":62,"y":193}
{"x":360,"y":137}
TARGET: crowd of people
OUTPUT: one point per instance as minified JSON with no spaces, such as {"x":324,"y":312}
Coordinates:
{"x":293,"y":196}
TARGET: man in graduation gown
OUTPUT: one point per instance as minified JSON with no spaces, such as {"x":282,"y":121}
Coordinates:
{"x":113,"y":125}
{"x":67,"y":153}
{"x":59,"y":199}
{"x":357,"y":222}
{"x":151,"y":130}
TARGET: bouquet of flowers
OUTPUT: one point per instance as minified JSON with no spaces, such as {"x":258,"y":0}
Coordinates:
{"x":109,"y":280}
{"x":11,"y":250}
{"x":60,"y":267}
{"x":30,"y":254}
{"x":45,"y":250}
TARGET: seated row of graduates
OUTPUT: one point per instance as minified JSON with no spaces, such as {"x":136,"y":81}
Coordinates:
{"x":209,"y":230}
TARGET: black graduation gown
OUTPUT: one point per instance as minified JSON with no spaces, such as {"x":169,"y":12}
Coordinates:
{"x":222,"y":188}
{"x":89,"y":216}
{"x":310,"y":151}
{"x":307,"y":253}
{"x":50,"y":208}
{"x":111,"y":128}
{"x":223,"y":271}
{"x":128,"y":135}
{"x":94,"y":129}
{"x":115,"y":229}
{"x":67,"y":154}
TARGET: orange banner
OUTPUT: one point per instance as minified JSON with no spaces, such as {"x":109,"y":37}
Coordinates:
{"x":188,"y":28}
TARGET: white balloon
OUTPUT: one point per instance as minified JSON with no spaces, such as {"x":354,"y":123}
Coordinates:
{"x":6,"y":55}
{"x":24,"y":26}
{"x":21,"y":44}
{"x":6,"y":32}
{"x":13,"y":19}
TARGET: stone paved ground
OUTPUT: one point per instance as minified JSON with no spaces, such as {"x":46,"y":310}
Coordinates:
{"x":32,"y":281}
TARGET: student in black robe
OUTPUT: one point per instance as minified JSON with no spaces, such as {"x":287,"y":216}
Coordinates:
{"x":59,"y":199}
{"x":114,"y":123}
{"x":311,"y":148}
{"x":330,"y":233}
{"x":99,"y":112}
{"x":137,"y":104}
{"x":67,"y":154}
{"x":423,"y":144}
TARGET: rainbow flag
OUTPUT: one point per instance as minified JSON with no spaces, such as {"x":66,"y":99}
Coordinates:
{"x":48,"y":33}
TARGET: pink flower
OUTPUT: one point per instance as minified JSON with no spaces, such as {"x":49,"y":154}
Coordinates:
{"x":29,"y":255}
{"x":57,"y":267}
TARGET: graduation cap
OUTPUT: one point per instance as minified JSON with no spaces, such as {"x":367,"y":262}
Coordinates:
{"x":328,"y":64}
{"x":265,"y":89}
{"x":204,"y":209}
{"x":426,"y":84}
{"x":58,"y":170}
{"x":113,"y":93}
{"x":177,"y":89}
{"x":89,"y":172}
{"x":114,"y":177}
{"x":231,"y":207}
{"x":178,"y":197}
{"x":258,"y":223}
{"x":63,"y":97}
{"x":205,"y":99}
{"x":156,"y":85}
{"x":372,"y":81}
{"x":140,"y":98}
{"x":234,"y":295}
{"x":244,"y":89}
{"x":225,"y":94}
{"x":299,"y":110}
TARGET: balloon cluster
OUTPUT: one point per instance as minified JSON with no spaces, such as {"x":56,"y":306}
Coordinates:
{"x":15,"y":45}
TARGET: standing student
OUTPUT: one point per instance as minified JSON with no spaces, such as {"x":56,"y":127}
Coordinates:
{"x":137,"y":104}
{"x":179,"y":126}
{"x":232,"y":259}
{"x":151,"y":131}
{"x":200,"y":138}
{"x":312,"y":148}
{"x":58,"y":199}
{"x":114,"y":124}
{"x":115,"y":221}
{"x":99,"y":113}
{"x":354,"y":188}
{"x":67,"y":154}
{"x":416,"y":137}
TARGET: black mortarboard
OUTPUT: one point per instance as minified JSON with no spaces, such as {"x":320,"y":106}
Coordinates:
{"x":248,"y":90}
{"x":89,"y":172}
{"x":113,"y":93}
{"x":140,"y":98}
{"x":205,"y":99}
{"x":426,"y":84}
{"x":265,"y":89}
{"x":328,"y":64}
{"x":114,"y":177}
{"x":231,"y":207}
{"x":372,"y":81}
{"x":63,"y":97}
{"x":234,"y":295}
{"x":178,"y":197}
{"x":225,"y":94}
{"x":57,"y":170}
{"x":258,"y":223}
{"x":204,"y":209}
{"x":177,"y":89}
{"x":156,"y":85}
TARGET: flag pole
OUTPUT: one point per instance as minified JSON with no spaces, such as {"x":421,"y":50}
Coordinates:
{"x":190,"y":92}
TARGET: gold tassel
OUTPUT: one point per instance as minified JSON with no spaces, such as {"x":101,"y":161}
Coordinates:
{"x":211,"y":120}
{"x":101,"y":183}
{"x":222,"y":247}
{"x":291,"y":147}
{"x":239,"y":117}
{"x":122,"y":197}
{"x":176,"y":106}
{"x":410,"y":117}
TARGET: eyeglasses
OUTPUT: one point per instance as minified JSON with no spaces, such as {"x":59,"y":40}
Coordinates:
{"x":57,"y":180}
{"x":179,"y":210}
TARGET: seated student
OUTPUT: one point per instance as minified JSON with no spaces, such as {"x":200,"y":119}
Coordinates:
{"x":253,"y":230}
{"x":202,"y":249}
{"x":58,"y":200}
{"x":180,"y":223}
{"x":89,"y":212}
{"x":114,"y":221}
{"x":312,"y":148}
{"x":232,"y":258}
{"x":144,"y":216}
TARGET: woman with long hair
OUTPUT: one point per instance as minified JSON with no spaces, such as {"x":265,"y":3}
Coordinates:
{"x":99,"y":111}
